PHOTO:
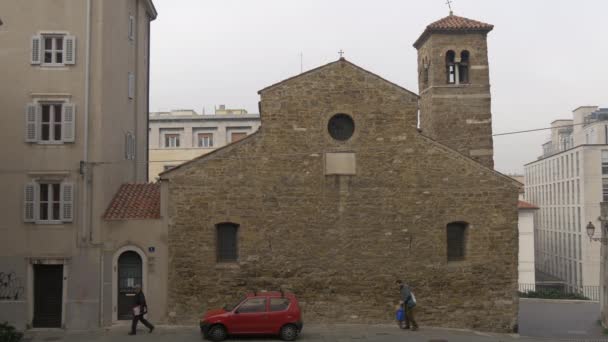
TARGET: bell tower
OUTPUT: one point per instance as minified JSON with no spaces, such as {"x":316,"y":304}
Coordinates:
{"x":454,"y":86}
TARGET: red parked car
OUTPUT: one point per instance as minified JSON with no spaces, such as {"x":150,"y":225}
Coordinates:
{"x":261,"y":313}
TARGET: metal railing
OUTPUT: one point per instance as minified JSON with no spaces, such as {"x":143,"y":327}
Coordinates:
{"x":559,"y":291}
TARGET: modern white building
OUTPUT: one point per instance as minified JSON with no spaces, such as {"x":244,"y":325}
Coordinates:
{"x":180,"y":135}
{"x":567,"y":183}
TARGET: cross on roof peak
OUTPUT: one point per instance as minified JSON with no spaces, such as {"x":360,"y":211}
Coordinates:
{"x":449,"y":3}
{"x":341,"y":53}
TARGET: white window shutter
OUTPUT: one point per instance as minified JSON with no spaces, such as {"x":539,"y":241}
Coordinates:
{"x":29,"y":202}
{"x":68,"y":118}
{"x":69,"y":50}
{"x":31,"y":122}
{"x":131,"y":85}
{"x":67,"y":202}
{"x":36,"y":56}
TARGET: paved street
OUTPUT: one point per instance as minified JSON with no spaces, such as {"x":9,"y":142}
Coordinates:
{"x":539,"y":321}
{"x":334,"y":333}
{"x":550,"y":319}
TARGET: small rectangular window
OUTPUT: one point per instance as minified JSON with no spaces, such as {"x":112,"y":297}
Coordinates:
{"x":171,"y":140}
{"x":605,"y":162}
{"x":51,"y":122}
{"x":237,"y":136}
{"x":456,"y":241}
{"x":605,"y":189}
{"x":49,"y":195}
{"x":205,"y":140}
{"x":131,"y":27}
{"x":227,"y":242}
{"x":131,"y":85}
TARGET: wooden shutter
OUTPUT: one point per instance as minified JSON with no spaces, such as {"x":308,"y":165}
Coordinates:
{"x":131,"y":85}
{"x":69,"y":50}
{"x":31,"y":122}
{"x":68,"y":122}
{"x":29,"y":202}
{"x":36,"y":55}
{"x":67,"y":202}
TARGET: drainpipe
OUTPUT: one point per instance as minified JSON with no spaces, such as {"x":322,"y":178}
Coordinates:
{"x":85,"y":161}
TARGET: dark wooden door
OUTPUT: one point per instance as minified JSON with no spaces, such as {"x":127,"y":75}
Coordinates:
{"x":48,"y":295}
{"x":129,"y":275}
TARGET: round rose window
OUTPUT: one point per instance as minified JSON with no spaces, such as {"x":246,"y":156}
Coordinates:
{"x":341,"y":127}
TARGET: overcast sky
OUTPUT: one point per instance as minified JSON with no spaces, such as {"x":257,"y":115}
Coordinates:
{"x":547,"y":57}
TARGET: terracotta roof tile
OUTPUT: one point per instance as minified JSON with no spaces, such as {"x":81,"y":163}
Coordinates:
{"x":135,"y":202}
{"x":453,"y":23}
{"x":525,"y":205}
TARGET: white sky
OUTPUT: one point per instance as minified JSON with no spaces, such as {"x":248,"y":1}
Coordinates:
{"x":547,"y":57}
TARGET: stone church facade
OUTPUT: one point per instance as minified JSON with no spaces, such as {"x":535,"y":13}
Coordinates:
{"x":339,"y":194}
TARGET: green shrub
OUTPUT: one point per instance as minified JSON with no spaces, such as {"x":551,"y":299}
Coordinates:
{"x":8,"y":333}
{"x":552,"y":294}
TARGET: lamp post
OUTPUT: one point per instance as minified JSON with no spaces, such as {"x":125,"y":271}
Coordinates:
{"x":604,"y":225}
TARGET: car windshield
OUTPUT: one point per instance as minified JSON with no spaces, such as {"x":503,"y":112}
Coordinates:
{"x":230,"y":307}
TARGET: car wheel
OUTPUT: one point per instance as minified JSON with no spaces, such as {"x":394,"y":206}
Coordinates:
{"x":289,"y":332}
{"x":217,"y":333}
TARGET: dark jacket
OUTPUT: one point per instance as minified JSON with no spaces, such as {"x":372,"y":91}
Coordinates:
{"x":140,"y":300}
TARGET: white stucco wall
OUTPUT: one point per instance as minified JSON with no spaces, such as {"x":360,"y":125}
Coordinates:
{"x":526,"y":247}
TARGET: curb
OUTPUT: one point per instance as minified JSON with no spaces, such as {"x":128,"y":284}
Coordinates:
{"x":574,"y":301}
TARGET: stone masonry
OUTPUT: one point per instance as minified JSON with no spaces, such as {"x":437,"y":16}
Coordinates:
{"x":340,"y":241}
{"x":457,"y":115}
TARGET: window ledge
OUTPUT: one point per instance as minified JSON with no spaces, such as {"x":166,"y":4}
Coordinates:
{"x":457,"y":263}
{"x":52,"y":143}
{"x":51,"y":223}
{"x":227,"y":265}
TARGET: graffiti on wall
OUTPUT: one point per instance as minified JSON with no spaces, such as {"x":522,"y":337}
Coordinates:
{"x":11,"y":287}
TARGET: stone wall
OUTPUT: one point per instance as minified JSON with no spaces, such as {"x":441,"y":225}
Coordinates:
{"x":340,"y":242}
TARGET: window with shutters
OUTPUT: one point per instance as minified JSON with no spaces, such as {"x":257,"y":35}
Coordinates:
{"x":48,"y":202}
{"x":456,"y":240}
{"x":227,"y":242}
{"x":49,"y":122}
{"x":53,"y":49}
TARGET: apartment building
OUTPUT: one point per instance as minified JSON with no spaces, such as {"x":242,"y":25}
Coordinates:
{"x":568,"y":182}
{"x":180,"y":135}
{"x":74,"y":92}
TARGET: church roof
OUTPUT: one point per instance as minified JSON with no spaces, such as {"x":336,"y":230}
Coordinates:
{"x":135,"y":202}
{"x":453,"y":23}
{"x":341,"y":60}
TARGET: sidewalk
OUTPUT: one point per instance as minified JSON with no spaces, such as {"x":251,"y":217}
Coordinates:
{"x":313,"y":332}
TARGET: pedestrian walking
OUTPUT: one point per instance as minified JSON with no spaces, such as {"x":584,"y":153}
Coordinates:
{"x":408,"y":302}
{"x":140,"y":308}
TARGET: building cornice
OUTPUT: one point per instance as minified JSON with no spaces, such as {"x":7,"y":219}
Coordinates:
{"x":151,"y":9}
{"x":564,"y":151}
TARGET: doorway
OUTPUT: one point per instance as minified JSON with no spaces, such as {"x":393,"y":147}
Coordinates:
{"x":129,"y":275}
{"x":48,"y":296}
